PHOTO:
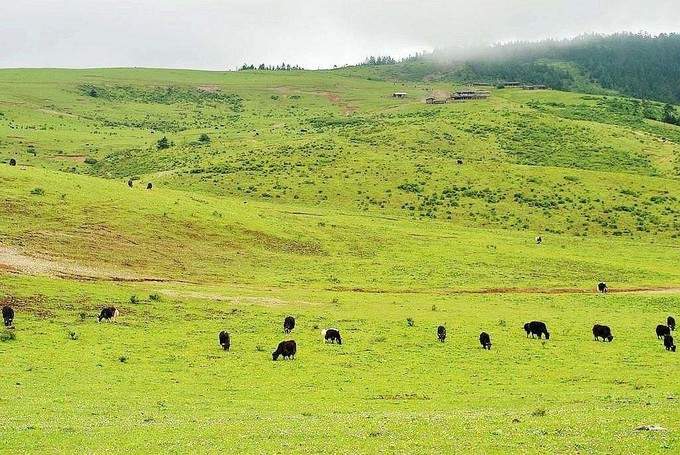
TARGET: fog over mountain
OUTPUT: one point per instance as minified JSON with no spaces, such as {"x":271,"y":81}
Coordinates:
{"x":214,"y":34}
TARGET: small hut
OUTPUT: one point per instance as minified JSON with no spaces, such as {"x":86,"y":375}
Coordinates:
{"x":433,"y":100}
{"x":399,"y":95}
{"x":466,"y":95}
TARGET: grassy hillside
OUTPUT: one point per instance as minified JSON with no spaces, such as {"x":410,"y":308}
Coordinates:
{"x":325,"y":140}
{"x":319,"y":195}
{"x":202,"y":239}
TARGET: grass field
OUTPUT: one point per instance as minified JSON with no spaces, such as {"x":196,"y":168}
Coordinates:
{"x":318,"y":195}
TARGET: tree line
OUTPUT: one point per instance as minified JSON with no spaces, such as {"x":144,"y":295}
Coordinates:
{"x":640,"y":64}
{"x":263,"y":67}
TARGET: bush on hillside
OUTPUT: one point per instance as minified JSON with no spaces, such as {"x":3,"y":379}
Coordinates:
{"x":163,"y":143}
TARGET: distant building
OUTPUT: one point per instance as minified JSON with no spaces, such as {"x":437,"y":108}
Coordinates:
{"x":399,"y":95}
{"x":534,"y":87}
{"x":511,"y":84}
{"x":466,"y":95}
{"x":433,"y":100}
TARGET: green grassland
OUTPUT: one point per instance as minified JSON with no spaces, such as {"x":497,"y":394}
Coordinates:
{"x":319,"y":195}
{"x":324,"y":139}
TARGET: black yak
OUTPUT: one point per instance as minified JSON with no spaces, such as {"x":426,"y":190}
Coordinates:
{"x":536,"y":328}
{"x":288,"y":324}
{"x":225,"y":342}
{"x":670,"y":322}
{"x":8,"y":315}
{"x":149,"y":186}
{"x":668,"y":343}
{"x":108,"y":313}
{"x":662,"y":331}
{"x":130,"y":183}
{"x":539,"y":240}
{"x":441,"y":333}
{"x":485,"y":340}
{"x":12,"y":162}
{"x":602,"y":287}
{"x":602,"y":331}
{"x":332,"y":335}
{"x":286,"y":349}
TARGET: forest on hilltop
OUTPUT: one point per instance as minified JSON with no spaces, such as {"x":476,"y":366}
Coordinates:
{"x":639,"y":65}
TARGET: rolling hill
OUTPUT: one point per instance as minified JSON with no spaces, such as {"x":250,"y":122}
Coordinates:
{"x":318,"y":194}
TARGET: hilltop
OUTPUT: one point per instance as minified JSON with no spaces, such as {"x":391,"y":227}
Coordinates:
{"x":639,"y":65}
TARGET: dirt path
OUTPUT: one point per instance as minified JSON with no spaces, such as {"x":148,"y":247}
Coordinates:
{"x":14,"y":261}
{"x":625,"y":290}
{"x":334,"y":98}
{"x":53,"y":112}
{"x":235,"y":299}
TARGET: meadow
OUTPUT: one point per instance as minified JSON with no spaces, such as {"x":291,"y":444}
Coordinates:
{"x":318,"y":195}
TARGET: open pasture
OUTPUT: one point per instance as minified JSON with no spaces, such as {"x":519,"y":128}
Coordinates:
{"x":158,"y":371}
{"x":317,"y":195}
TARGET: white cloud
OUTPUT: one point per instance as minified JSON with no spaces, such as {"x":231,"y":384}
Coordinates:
{"x":315,"y":33}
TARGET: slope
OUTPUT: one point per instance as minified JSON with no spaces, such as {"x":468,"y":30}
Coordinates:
{"x":567,"y":163}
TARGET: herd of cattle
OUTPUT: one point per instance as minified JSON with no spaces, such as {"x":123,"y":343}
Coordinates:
{"x":288,"y":348}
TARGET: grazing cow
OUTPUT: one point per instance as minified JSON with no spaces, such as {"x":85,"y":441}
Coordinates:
{"x":332,"y":335}
{"x":662,"y":331}
{"x":108,"y":313}
{"x":459,"y":161}
{"x":536,"y":328}
{"x":670,"y":322}
{"x":149,"y":186}
{"x":602,"y":331}
{"x":288,"y":324}
{"x":8,"y":315}
{"x":225,"y":342}
{"x":602,"y":287}
{"x":286,"y":349}
{"x":130,"y":183}
{"x":485,"y":340}
{"x":668,"y":343}
{"x":539,"y":240}
{"x":441,"y":333}
{"x":12,"y":162}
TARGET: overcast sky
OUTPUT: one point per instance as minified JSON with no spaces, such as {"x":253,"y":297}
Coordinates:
{"x":221,"y":34}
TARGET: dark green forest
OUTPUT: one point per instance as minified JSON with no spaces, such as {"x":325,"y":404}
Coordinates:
{"x":638,"y":65}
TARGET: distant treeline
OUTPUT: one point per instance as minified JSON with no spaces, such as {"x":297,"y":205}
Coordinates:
{"x":639,"y":65}
{"x":389,"y":60}
{"x":263,"y":67}
{"x":380,"y":60}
